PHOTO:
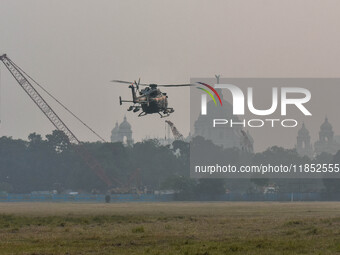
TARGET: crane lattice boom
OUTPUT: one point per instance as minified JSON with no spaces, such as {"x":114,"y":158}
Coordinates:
{"x":54,"y":118}
{"x":177,"y":135}
{"x":37,"y":99}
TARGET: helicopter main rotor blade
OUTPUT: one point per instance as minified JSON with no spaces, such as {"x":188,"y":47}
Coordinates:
{"x":128,"y":82}
{"x":176,"y":85}
{"x":118,"y":81}
{"x":148,"y":84}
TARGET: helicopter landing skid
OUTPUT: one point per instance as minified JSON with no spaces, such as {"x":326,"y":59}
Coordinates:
{"x":142,"y":114}
{"x":167,"y":112}
{"x":164,"y":116}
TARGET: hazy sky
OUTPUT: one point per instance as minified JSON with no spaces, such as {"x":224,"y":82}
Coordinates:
{"x":74,"y":48}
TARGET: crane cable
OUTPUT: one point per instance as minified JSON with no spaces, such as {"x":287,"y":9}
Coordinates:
{"x":61,"y":104}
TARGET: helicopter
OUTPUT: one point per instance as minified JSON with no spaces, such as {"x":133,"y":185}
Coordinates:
{"x":150,"y":99}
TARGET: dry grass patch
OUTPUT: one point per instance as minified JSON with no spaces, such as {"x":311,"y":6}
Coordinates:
{"x":170,"y":228}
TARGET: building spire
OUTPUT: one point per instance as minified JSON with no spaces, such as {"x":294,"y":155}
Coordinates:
{"x":219,"y":91}
{"x":217,"y":78}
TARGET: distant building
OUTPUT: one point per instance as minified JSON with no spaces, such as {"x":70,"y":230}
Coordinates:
{"x":303,"y":143}
{"x":326,"y":142}
{"x":225,"y":136}
{"x":122,"y":133}
{"x":337,"y":138}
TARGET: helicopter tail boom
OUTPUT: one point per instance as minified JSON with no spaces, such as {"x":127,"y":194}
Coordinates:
{"x":121,"y":101}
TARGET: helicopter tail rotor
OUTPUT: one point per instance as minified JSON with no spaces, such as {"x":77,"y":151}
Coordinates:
{"x":137,"y":84}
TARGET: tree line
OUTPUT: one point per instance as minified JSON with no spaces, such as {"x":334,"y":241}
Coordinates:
{"x":51,"y":163}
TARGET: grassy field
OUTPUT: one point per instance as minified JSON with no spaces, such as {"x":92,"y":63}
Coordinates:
{"x":170,"y":228}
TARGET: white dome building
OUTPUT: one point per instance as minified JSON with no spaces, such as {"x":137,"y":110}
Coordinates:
{"x":225,"y":136}
{"x":122,"y":133}
{"x":303,"y":143}
{"x":326,"y":142}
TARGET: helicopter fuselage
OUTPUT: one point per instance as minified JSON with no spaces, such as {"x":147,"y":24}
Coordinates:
{"x":153,"y":105}
{"x":151,"y":100}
